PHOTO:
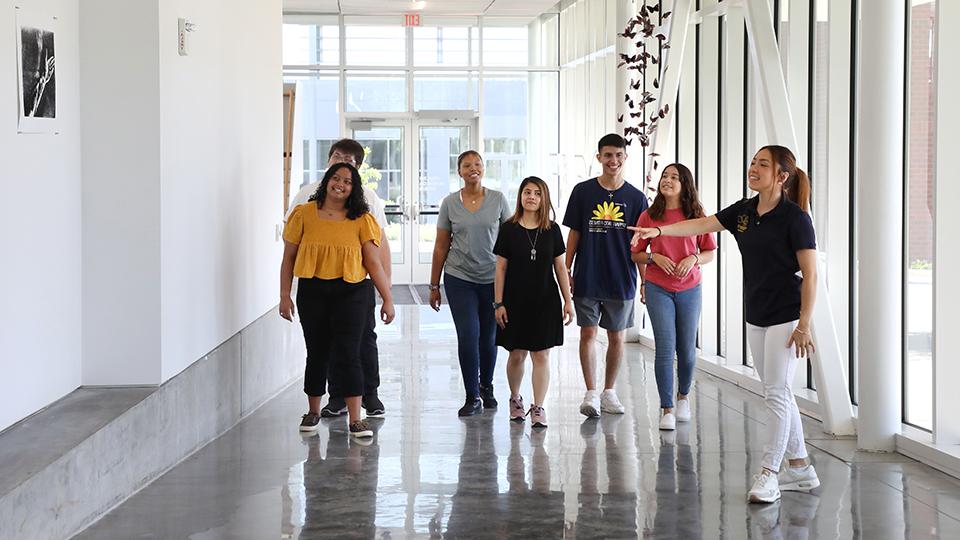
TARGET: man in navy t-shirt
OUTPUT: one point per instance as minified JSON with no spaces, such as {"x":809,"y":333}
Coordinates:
{"x":604,"y":279}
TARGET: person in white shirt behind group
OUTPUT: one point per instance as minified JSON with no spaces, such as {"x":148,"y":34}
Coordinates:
{"x":351,"y":152}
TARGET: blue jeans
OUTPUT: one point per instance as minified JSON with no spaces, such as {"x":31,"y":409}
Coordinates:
{"x":675,"y":317}
{"x":472,"y":307}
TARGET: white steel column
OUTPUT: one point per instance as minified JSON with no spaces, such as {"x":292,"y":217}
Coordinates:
{"x":879,"y":230}
{"x":946,"y":287}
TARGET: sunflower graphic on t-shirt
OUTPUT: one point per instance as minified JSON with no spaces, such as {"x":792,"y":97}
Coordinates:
{"x":608,"y":211}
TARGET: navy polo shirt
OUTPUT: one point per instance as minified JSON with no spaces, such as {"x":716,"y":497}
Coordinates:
{"x":769,"y":245}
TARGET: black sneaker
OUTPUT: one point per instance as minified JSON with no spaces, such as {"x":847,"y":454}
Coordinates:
{"x":310,"y":422}
{"x":334,"y":407}
{"x":373,"y":405}
{"x":472,"y":407}
{"x":360,"y":429}
{"x":486,"y":394}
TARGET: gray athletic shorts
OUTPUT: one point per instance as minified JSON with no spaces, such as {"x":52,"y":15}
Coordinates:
{"x":613,"y":315}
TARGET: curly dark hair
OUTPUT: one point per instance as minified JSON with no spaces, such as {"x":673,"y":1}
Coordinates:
{"x":689,"y":200}
{"x":356,"y":202}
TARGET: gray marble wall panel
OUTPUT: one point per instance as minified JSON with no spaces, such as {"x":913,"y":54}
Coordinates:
{"x":184,"y":414}
{"x":273,"y":357}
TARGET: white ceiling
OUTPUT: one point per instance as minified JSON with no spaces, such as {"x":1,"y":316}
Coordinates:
{"x":496,"y":8}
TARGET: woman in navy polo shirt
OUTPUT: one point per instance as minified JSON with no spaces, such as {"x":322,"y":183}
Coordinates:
{"x":776,"y":239}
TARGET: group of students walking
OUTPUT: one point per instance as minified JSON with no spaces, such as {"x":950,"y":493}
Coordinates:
{"x":511,"y":281}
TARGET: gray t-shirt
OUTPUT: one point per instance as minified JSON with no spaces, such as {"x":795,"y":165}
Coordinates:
{"x":473,"y":235}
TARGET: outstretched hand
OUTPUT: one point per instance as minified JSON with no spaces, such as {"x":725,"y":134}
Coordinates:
{"x":642,"y":233}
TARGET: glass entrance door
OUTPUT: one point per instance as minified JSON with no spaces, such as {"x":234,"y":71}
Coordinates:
{"x":386,"y":170}
{"x":413,"y":164}
{"x":438,"y":145}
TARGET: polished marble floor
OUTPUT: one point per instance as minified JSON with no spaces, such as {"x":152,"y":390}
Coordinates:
{"x":429,"y":474}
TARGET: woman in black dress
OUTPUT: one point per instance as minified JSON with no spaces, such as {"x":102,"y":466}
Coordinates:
{"x":530,"y":317}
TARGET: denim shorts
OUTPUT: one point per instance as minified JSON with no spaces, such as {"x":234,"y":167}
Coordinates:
{"x":612,"y":315}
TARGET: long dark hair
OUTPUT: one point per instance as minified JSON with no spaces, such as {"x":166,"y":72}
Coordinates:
{"x":689,"y":199}
{"x":356,"y":203}
{"x":797,"y":186}
{"x":545,"y":214}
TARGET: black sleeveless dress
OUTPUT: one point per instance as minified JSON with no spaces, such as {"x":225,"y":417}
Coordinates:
{"x":530,"y":292}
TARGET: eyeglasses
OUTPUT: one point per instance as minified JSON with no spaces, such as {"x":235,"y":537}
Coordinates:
{"x":343,"y":158}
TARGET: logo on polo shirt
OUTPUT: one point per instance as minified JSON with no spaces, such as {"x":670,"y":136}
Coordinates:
{"x":608,"y":211}
{"x":742,"y":221}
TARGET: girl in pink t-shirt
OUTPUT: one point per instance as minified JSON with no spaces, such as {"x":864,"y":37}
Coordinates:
{"x":671,"y":287}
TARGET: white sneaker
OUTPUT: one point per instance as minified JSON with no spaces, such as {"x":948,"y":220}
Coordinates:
{"x":798,"y":478}
{"x":682,"y":411}
{"x":766,"y":488}
{"x":668,"y":422}
{"x":609,"y":402}
{"x":590,"y":406}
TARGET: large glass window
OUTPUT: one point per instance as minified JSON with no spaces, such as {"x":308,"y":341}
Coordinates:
{"x":376,"y":45}
{"x":311,"y":44}
{"x":508,"y":42}
{"x":445,"y":91}
{"x":520,"y":127}
{"x":446,"y":46}
{"x":918,"y":299}
{"x":317,"y":122}
{"x":506,"y":46}
{"x":375,"y":91}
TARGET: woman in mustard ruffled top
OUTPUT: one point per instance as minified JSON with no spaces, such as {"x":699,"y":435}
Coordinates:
{"x":330,"y":244}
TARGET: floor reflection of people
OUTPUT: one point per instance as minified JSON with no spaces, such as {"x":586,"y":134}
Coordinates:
{"x":474,"y":511}
{"x":612,"y":514}
{"x":531,"y":509}
{"x":677,"y":488}
{"x":341,"y":489}
{"x":791,"y":518}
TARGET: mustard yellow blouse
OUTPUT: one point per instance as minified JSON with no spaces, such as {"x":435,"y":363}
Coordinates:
{"x":329,"y":249}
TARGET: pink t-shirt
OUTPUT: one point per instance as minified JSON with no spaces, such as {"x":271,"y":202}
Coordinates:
{"x":675,"y":248}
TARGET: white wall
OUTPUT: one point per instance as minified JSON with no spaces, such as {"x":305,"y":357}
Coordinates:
{"x":221,"y":173}
{"x":182,"y":181}
{"x":121,"y":186}
{"x":39,"y":230}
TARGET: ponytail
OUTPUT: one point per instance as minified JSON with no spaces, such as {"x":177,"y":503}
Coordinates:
{"x":797,"y":189}
{"x":797,"y":186}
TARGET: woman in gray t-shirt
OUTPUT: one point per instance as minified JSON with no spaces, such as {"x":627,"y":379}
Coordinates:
{"x":467,"y":229}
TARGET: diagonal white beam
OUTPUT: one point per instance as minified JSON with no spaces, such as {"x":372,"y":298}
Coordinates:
{"x":828,"y":371}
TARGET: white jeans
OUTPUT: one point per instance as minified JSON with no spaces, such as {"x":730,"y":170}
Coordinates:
{"x":776,"y":365}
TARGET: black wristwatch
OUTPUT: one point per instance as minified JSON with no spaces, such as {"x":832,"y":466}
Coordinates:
{"x":497,"y":305}
{"x":650,"y":258}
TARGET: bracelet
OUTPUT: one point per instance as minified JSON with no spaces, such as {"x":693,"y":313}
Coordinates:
{"x":697,"y":255}
{"x":433,"y":287}
{"x":799,"y":331}
{"x":659,"y":232}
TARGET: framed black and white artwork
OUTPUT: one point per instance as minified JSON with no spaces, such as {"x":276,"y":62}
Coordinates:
{"x":36,"y":72}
